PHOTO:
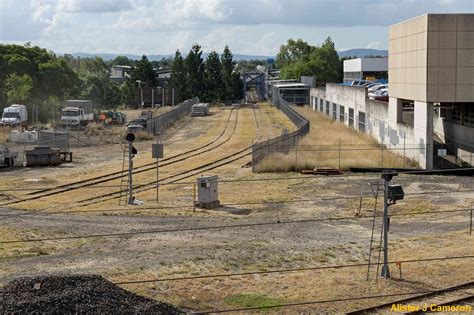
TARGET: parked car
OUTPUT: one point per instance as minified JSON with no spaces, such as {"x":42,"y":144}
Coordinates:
{"x":358,"y":82}
{"x":381,"y":96}
{"x":137,"y":124}
{"x":377,"y":87}
{"x":371,"y":95}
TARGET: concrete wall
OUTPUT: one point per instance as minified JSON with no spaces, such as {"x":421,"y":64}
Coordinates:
{"x":372,"y":117}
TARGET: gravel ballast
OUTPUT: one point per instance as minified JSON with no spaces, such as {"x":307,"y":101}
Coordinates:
{"x":75,"y":294}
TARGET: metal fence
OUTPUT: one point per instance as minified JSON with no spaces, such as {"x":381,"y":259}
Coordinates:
{"x":157,"y":125}
{"x":284,"y":142}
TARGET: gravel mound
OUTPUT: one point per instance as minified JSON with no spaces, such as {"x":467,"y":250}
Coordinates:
{"x":75,"y":295}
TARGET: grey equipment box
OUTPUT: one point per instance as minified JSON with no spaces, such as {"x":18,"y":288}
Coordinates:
{"x":208,"y":194}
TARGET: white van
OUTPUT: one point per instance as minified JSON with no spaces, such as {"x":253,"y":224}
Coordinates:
{"x":14,"y":115}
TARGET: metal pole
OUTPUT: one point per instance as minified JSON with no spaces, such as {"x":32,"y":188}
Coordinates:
{"x":470,"y":225}
{"x":382,"y":152}
{"x":339,"y":164}
{"x":385,"y":271}
{"x":157,"y":183}
{"x":194,"y":197}
{"x":172,"y":99}
{"x":152,"y":98}
{"x":130,"y":173}
{"x":163,"y":97}
{"x":141,"y":96}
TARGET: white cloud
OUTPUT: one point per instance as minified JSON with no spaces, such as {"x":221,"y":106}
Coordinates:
{"x":248,"y":26}
{"x":94,"y":6}
{"x":374,"y":45}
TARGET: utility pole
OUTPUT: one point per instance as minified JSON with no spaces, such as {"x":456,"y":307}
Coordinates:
{"x":385,"y":270}
{"x":131,"y":152}
{"x":130,"y":174}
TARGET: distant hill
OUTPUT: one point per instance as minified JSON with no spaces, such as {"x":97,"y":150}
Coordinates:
{"x":362,"y":52}
{"x":356,"y":52}
{"x":108,"y":57}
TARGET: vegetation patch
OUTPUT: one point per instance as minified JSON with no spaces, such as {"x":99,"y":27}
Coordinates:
{"x":253,"y":300}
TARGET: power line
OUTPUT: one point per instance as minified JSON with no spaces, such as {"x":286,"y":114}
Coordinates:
{"x":250,"y":273}
{"x":208,"y":228}
{"x":315,"y":302}
{"x":279,"y":271}
{"x":322,"y":198}
{"x":407,"y":172}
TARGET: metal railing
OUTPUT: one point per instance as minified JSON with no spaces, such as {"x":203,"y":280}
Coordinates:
{"x":284,"y":142}
{"x":157,"y":125}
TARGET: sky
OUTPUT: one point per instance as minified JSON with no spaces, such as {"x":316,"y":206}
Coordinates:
{"x":253,"y":27}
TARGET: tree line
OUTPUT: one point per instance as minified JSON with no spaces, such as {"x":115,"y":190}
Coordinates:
{"x":212,"y":80}
{"x":298,"y":58}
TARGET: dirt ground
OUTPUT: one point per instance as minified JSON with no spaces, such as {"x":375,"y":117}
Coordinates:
{"x":247,"y":198}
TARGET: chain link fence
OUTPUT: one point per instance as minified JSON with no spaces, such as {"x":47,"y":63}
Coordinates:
{"x":157,"y":125}
{"x":284,"y":142}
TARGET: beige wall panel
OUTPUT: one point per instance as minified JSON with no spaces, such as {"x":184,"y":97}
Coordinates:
{"x":432,"y":93}
{"x":433,"y":22}
{"x":465,"y":58}
{"x":465,"y":39}
{"x":447,"y":58}
{"x":447,"y":75}
{"x":464,"y":93}
{"x":433,"y":57}
{"x":465,"y":22}
{"x":447,"y":40}
{"x":446,"y":93}
{"x":465,"y":75}
{"x":432,"y":77}
{"x":448,"y":22}
{"x":433,"y":40}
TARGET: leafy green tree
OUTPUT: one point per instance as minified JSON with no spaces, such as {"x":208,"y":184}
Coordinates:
{"x":18,"y":88}
{"x":233,"y":85}
{"x":143,"y":71}
{"x":194,"y":67}
{"x":121,"y":61}
{"x":298,"y":58}
{"x":294,"y":51}
{"x":213,"y":83}
{"x":178,"y":77}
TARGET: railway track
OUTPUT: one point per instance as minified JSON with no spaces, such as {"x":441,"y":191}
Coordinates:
{"x":462,"y":294}
{"x":237,"y":155}
{"x":140,"y":169}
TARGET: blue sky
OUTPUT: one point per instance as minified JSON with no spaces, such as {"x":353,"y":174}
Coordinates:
{"x":256,"y":27}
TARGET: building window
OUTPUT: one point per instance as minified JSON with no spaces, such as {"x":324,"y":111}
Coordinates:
{"x":341,"y":113}
{"x":351,"y":117}
{"x":321,"y":105}
{"x":327,"y":108}
{"x":361,"y":121}
{"x":468,"y":114}
{"x":334,"y":111}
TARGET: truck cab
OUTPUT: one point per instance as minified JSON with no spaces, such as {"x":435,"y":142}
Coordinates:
{"x":72,"y":116}
{"x":14,"y":115}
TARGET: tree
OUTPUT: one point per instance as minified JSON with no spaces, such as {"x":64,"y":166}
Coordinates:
{"x":233,"y":85}
{"x":297,"y":59}
{"x":178,"y":77}
{"x":143,"y":71}
{"x":194,"y":67}
{"x":121,"y":61}
{"x":213,"y":83}
{"x":294,"y":51}
{"x":18,"y":88}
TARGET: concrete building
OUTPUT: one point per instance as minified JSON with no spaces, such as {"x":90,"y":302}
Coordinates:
{"x":293,"y":93}
{"x":120,"y":73}
{"x":431,"y":104}
{"x":365,"y":69}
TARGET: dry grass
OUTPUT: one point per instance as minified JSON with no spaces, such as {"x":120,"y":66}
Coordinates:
{"x":4,"y":134}
{"x":222,"y":293}
{"x":332,"y":144}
